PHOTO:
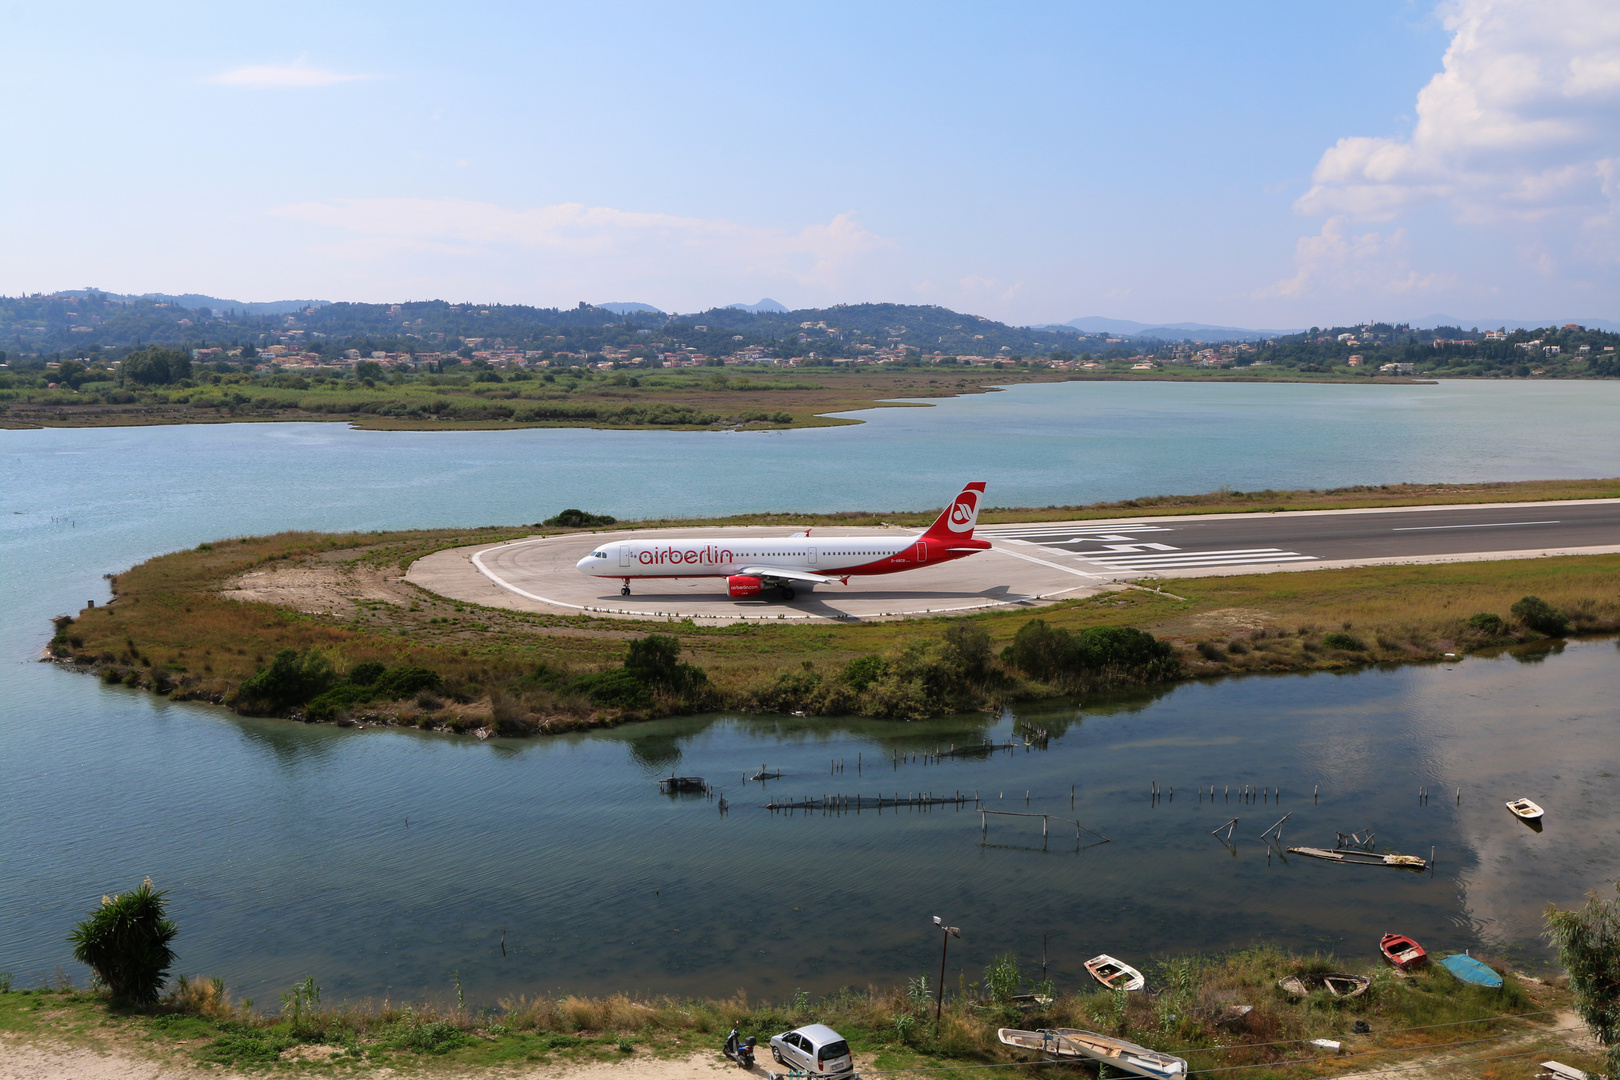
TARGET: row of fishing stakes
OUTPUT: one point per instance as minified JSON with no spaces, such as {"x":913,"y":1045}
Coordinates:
{"x":1247,"y":793}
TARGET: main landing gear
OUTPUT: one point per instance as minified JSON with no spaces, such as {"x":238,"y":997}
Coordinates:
{"x":786,"y":592}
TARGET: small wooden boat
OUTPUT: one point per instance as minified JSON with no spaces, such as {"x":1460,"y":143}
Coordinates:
{"x":1525,"y":810}
{"x":1402,"y":952}
{"x":1337,"y":984}
{"x":1115,"y":974}
{"x":1070,"y":1044}
{"x":1469,"y":970}
{"x":1350,"y":857}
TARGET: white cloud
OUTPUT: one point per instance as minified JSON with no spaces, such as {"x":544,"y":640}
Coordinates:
{"x":1522,"y":123}
{"x":1371,"y":265}
{"x":593,"y":248}
{"x":298,"y":75}
{"x":1517,"y":140}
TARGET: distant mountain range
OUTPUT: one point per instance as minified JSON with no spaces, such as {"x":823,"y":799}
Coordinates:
{"x":766,"y":306}
{"x":1182,"y":331}
{"x":198,"y":300}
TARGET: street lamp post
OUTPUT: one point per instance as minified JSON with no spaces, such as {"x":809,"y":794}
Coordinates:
{"x":945,"y":944}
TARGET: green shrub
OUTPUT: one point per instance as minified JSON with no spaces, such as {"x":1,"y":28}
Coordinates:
{"x":966,"y":651}
{"x":246,"y":1047}
{"x":656,"y":661}
{"x":862,"y":671}
{"x":1096,"y":657}
{"x":1540,"y":616}
{"x":126,"y":943}
{"x":578,"y":519}
{"x":1340,"y":640}
{"x":618,"y":689}
{"x":432,"y":1037}
{"x":292,"y":678}
{"x":1486,"y":623}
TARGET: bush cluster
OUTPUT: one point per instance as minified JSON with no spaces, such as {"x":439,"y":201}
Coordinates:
{"x":1540,"y":616}
{"x":1097,"y":657}
{"x":308,"y":678}
{"x":652,"y":668}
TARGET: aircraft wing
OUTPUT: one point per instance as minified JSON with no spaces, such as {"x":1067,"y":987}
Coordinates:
{"x":785,"y":573}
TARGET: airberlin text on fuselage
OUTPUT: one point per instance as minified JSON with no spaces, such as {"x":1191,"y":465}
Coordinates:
{"x":690,"y":557}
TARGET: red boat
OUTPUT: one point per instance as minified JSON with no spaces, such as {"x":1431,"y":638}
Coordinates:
{"x":1402,"y":951}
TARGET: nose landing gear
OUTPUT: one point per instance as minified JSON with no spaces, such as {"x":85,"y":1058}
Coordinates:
{"x":624,"y":590}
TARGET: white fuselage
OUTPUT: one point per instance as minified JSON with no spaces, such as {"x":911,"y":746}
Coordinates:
{"x":829,"y":555}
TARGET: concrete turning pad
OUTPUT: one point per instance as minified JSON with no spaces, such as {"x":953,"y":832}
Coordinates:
{"x":538,"y":574}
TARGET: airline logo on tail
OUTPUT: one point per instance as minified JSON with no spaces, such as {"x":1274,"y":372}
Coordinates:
{"x":963,"y":513}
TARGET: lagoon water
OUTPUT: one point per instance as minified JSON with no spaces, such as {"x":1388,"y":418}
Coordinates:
{"x":381,"y":862}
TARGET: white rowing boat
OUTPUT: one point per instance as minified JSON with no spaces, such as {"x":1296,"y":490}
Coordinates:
{"x":1525,"y":809}
{"x":1060,"y":1044}
{"x":1115,"y":974}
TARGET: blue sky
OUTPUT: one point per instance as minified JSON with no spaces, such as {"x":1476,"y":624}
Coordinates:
{"x":1253,"y":164}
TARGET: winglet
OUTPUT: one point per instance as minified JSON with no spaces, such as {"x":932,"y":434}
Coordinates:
{"x":959,"y":518}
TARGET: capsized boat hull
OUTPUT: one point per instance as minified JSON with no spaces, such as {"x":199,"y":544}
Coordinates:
{"x":1069,"y":1044}
{"x":1469,"y":970}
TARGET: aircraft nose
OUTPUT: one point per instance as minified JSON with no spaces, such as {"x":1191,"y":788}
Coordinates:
{"x":584,"y":565}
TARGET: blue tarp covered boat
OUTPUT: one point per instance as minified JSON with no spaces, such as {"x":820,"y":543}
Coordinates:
{"x":1469,"y":970}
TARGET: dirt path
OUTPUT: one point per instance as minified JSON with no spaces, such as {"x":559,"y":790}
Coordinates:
{"x":20,"y":1060}
{"x":1567,"y":1029}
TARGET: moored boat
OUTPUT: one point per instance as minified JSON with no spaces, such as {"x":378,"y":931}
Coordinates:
{"x":1335,"y":983}
{"x":1401,"y":951}
{"x":1525,"y":810}
{"x":1115,"y":974}
{"x":1070,"y":1044}
{"x":1469,"y":970}
{"x":1351,"y":857}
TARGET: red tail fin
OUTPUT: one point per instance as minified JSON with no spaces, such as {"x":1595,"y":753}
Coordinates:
{"x":957,"y":522}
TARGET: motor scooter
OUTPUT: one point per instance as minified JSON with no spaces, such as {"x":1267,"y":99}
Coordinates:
{"x":740,"y":1050}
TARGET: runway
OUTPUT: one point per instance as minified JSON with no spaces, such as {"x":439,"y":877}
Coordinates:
{"x":1033,"y":564}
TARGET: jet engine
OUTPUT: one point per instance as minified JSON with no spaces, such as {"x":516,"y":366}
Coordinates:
{"x":741,"y":587}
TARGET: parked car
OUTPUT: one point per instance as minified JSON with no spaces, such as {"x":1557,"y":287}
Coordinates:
{"x":815,"y":1048}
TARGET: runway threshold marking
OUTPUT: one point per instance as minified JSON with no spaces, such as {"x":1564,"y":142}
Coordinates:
{"x":1482,"y":525}
{"x":1230,"y":557}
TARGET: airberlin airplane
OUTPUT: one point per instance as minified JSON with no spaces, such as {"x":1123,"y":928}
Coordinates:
{"x":751,"y":564}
